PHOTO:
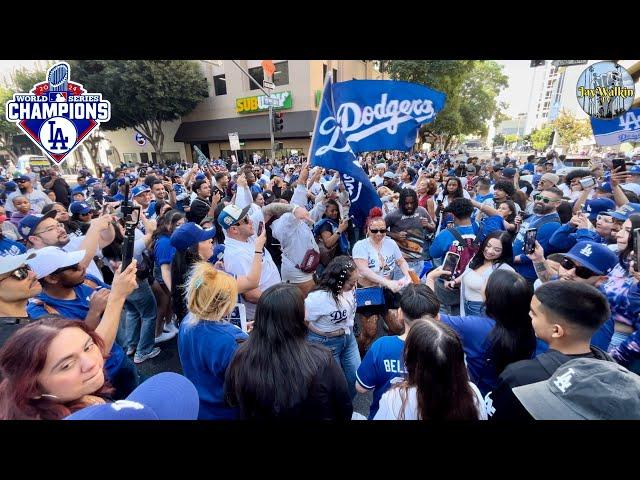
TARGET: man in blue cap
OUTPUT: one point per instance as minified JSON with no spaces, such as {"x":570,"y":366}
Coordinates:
{"x":589,"y":263}
{"x":37,"y":198}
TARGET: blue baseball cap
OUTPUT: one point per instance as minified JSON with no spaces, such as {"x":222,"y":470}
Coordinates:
{"x":594,"y":256}
{"x":165,"y":396}
{"x":232,"y":214}
{"x":200,"y":176}
{"x":635,"y":170}
{"x":29,"y":223}
{"x":605,"y":187}
{"x":79,"y":208}
{"x":92,"y":181}
{"x":598,"y":205}
{"x":77,"y":189}
{"x":190,"y":234}
{"x":529,"y":167}
{"x":624,"y":212}
{"x":11,"y":186}
{"x":509,"y":172}
{"x":135,"y":191}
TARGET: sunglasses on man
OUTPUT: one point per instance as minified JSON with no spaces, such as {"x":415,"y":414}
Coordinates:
{"x":372,"y":230}
{"x":582,"y":272}
{"x":19,"y":273}
{"x":540,"y":198}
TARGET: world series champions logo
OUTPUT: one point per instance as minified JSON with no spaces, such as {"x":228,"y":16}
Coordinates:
{"x":58,"y":114}
{"x":605,"y":90}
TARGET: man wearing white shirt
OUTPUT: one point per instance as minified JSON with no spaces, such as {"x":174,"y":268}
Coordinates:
{"x":378,"y":179}
{"x":240,"y":247}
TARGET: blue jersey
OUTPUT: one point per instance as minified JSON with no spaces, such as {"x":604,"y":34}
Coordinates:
{"x":9,"y":247}
{"x":381,"y":366}
{"x":206,"y":349}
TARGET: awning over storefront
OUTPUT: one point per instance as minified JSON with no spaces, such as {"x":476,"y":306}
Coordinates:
{"x":254,"y":127}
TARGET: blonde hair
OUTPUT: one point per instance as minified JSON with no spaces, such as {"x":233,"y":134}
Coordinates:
{"x":210,"y":294}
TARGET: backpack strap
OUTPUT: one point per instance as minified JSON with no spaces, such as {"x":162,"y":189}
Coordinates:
{"x":457,"y":235}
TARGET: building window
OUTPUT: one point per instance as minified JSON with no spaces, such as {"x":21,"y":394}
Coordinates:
{"x":324,"y":72}
{"x":144,"y":157}
{"x":220,"y":85}
{"x":171,"y":157}
{"x":281,"y":75}
{"x":335,"y":74}
{"x":130,"y":157}
{"x":258,"y":74}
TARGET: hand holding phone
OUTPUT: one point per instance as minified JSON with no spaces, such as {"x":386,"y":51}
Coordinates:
{"x":450,"y":264}
{"x":530,"y":241}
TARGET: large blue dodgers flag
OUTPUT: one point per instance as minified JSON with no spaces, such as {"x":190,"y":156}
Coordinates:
{"x":368,"y":115}
{"x":625,"y":128}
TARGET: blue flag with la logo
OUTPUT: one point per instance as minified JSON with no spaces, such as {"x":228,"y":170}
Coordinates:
{"x":368,"y":115}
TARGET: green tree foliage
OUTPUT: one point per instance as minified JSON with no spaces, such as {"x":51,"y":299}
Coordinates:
{"x":499,"y":139}
{"x":144,"y":93}
{"x":540,"y":138}
{"x":472,"y":88}
{"x":570,"y":129}
{"x":511,"y":138}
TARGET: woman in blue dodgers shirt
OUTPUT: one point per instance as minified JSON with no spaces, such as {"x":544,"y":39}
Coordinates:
{"x":503,"y":335}
{"x":207,"y":341}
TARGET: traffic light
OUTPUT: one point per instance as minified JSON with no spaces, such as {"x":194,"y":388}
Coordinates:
{"x":278,"y":121}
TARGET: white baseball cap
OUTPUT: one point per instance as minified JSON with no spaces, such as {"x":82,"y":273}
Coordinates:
{"x":12,"y":262}
{"x":50,"y":259}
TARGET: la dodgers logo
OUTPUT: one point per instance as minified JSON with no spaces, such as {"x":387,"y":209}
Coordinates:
{"x":58,"y":114}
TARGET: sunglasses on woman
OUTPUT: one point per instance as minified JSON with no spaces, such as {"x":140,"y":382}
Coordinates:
{"x":582,"y":272}
{"x":540,"y":198}
{"x":378,"y":230}
{"x":19,"y":273}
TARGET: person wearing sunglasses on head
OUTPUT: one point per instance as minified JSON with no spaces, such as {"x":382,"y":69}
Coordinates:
{"x":546,"y":220}
{"x":68,"y":291}
{"x":18,"y":283}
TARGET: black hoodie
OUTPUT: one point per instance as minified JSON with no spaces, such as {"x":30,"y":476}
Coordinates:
{"x":502,"y":404}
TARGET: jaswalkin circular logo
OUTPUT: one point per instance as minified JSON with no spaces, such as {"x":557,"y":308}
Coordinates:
{"x":605,"y":90}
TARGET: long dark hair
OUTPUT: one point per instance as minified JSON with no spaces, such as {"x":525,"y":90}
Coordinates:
{"x":180,"y":265}
{"x":273,"y":370}
{"x":459,"y":193}
{"x":166,"y":225}
{"x":507,"y":250}
{"x":334,"y":204}
{"x":334,"y":276}
{"x":508,"y":298}
{"x":624,"y":254}
{"x":22,"y":358}
{"x":434,"y":359}
{"x":512,"y":206}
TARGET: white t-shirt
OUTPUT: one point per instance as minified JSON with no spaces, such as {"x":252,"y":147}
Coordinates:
{"x":389,"y":251}
{"x":295,"y":238}
{"x":321,"y":309}
{"x":238,"y":260}
{"x":74,"y":245}
{"x":391,"y":404}
{"x":377,"y":180}
{"x":38,"y":199}
{"x":632,"y":187}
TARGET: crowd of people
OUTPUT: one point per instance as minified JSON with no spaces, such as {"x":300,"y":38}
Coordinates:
{"x":495,"y":289}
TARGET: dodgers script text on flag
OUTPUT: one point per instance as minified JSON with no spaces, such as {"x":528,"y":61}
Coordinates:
{"x":368,"y":115}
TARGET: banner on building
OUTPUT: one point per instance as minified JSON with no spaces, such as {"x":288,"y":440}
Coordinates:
{"x":625,"y":128}
{"x":367,"y":115}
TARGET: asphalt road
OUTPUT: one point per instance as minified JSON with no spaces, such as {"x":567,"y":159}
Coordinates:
{"x":169,"y":361}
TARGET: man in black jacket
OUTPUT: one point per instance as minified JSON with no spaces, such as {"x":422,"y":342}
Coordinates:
{"x":565,"y":315}
{"x":59,"y":186}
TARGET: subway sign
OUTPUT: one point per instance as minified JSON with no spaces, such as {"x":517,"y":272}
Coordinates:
{"x":260,"y":103}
